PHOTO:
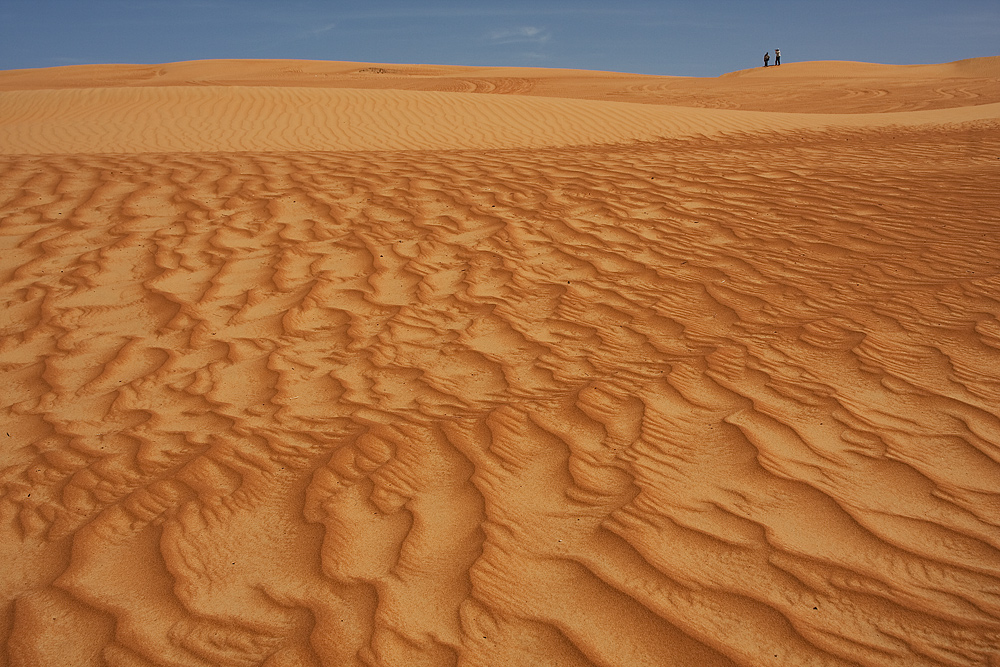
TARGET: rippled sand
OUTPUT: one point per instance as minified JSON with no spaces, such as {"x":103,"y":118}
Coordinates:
{"x":335,"y":364}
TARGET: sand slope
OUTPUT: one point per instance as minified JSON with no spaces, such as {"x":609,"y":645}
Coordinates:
{"x":299,"y":393}
{"x":228,"y":119}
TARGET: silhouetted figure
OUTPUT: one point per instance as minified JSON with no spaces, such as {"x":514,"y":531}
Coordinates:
{"x":767,"y":58}
{"x":777,"y":57}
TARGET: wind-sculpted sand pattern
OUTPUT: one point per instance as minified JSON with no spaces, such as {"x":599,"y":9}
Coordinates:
{"x":679,"y":403}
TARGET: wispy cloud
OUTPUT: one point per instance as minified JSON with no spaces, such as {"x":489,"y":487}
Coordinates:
{"x":319,"y":30}
{"x":523,"y":35}
{"x":535,"y":57}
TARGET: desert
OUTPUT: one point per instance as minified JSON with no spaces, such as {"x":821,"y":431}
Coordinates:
{"x":341,"y":363}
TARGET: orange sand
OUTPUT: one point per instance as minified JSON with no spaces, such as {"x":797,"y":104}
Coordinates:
{"x":312,"y":363}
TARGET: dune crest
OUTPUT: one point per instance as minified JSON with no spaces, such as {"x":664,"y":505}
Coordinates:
{"x":305,"y":376}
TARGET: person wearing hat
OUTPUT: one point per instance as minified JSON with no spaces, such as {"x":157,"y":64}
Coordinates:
{"x":777,"y":57}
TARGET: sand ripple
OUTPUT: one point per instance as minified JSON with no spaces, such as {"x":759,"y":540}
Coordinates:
{"x":685,"y":402}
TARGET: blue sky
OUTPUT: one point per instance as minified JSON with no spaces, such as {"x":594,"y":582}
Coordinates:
{"x":696,"y":38}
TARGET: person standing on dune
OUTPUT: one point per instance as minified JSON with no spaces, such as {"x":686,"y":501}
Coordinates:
{"x":777,"y":57}
{"x":767,"y":58}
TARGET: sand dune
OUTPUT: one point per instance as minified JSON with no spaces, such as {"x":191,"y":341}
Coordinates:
{"x":810,"y":87}
{"x":229,"y":119}
{"x":304,"y":375}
